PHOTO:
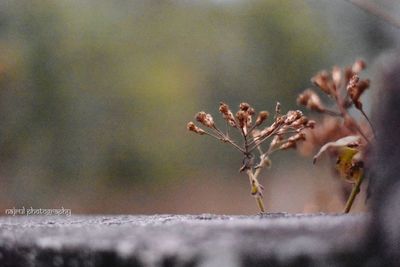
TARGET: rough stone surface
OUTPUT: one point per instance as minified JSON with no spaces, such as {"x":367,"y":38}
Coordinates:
{"x":183,"y":240}
{"x":385,"y":165}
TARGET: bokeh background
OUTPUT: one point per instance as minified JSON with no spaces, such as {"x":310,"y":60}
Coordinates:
{"x":95,"y":96}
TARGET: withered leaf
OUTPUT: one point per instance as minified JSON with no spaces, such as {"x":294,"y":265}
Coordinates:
{"x":348,"y":141}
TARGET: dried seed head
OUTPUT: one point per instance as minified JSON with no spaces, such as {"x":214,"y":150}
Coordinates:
{"x":227,"y":114}
{"x":292,"y":116}
{"x":223,"y":108}
{"x":205,"y":119}
{"x":353,"y":81}
{"x":348,"y":73}
{"x":311,"y":100}
{"x":251,"y":111}
{"x":244,"y":114}
{"x":262,"y":116}
{"x":193,"y":128}
{"x":244,"y":106}
{"x":321,"y":79}
{"x":337,"y":76}
{"x":356,"y":88}
{"x":363,"y":85}
{"x":277,"y":109}
{"x":280,"y":120}
{"x":358,"y":66}
{"x":249,"y":120}
{"x":241,"y":116}
{"x":301,"y":122}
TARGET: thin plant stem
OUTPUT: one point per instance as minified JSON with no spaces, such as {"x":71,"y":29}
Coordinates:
{"x":213,"y":135}
{"x":343,"y":111}
{"x":260,"y":204}
{"x":218,"y":131}
{"x":262,"y":140}
{"x":223,"y":139}
{"x":260,"y":150}
{"x":369,"y":122}
{"x":353,"y":194}
{"x":254,"y":182}
{"x":258,"y":142}
{"x":235,"y":145}
{"x":252,"y":128}
{"x":332,"y":113}
{"x":362,"y":133}
{"x":246,"y":144}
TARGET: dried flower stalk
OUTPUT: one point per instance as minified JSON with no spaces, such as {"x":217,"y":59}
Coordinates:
{"x":345,"y":88}
{"x":284,"y":133}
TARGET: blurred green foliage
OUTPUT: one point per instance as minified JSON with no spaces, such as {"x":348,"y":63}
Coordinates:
{"x":99,"y":92}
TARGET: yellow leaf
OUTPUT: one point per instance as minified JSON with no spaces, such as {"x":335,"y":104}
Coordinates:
{"x":345,"y":164}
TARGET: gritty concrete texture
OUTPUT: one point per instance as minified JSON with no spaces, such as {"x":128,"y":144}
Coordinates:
{"x":183,"y":240}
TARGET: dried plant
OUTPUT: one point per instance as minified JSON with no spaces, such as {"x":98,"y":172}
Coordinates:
{"x":283,"y":133}
{"x":352,"y":138}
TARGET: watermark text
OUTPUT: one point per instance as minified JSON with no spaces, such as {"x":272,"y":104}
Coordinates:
{"x":37,"y":212}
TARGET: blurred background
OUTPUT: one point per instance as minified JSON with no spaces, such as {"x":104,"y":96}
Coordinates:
{"x":95,"y":97}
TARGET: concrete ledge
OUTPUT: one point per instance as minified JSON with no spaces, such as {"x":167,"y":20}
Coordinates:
{"x":182,"y":240}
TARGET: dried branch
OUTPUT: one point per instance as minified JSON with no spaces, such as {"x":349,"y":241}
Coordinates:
{"x":376,"y":11}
